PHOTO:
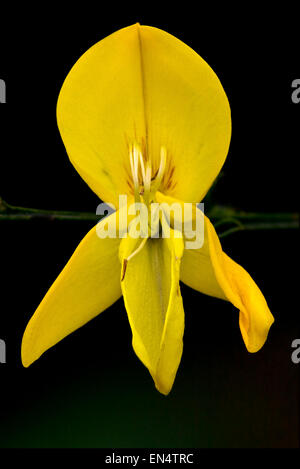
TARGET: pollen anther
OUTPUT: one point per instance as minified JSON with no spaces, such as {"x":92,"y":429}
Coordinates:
{"x":143,"y":182}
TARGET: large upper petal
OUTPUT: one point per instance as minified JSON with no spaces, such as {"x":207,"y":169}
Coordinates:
{"x":154,"y":306}
{"x":187,"y":112}
{"x":89,"y":283}
{"x":100,"y":111}
{"x":143,"y":85}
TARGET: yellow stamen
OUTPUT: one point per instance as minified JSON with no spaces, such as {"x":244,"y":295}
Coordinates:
{"x":143,"y":184}
{"x":134,"y":253}
{"x":161,"y":170}
{"x":134,"y":164}
{"x":142,"y":166}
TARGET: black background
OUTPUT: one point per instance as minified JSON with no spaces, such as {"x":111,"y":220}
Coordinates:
{"x":90,"y":390}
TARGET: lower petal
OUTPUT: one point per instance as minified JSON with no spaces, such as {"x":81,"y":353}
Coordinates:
{"x":154,"y":306}
{"x":210,"y":271}
{"x":255,"y":317}
{"x":89,"y":284}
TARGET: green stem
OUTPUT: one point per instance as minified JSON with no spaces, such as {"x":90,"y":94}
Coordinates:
{"x":286,"y":225}
{"x":250,"y":221}
{"x":219,"y":215}
{"x":11,"y":212}
{"x":222,"y":212}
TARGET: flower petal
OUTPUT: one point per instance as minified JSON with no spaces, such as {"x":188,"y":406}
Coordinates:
{"x":154,"y":307}
{"x":210,"y":271}
{"x":198,"y":273}
{"x":100,"y":111}
{"x":187,"y":112}
{"x":255,"y":317}
{"x":89,"y":283}
{"x":142,"y":85}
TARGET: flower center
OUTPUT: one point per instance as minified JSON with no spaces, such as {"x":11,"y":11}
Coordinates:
{"x":145,"y":186}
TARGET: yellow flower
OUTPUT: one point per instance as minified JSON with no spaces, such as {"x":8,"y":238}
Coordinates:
{"x":142,"y":114}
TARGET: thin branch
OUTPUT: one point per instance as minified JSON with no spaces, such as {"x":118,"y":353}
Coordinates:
{"x":219,"y":215}
{"x":276,"y":225}
{"x":11,"y":212}
{"x":251,"y":221}
{"x":223,"y":212}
